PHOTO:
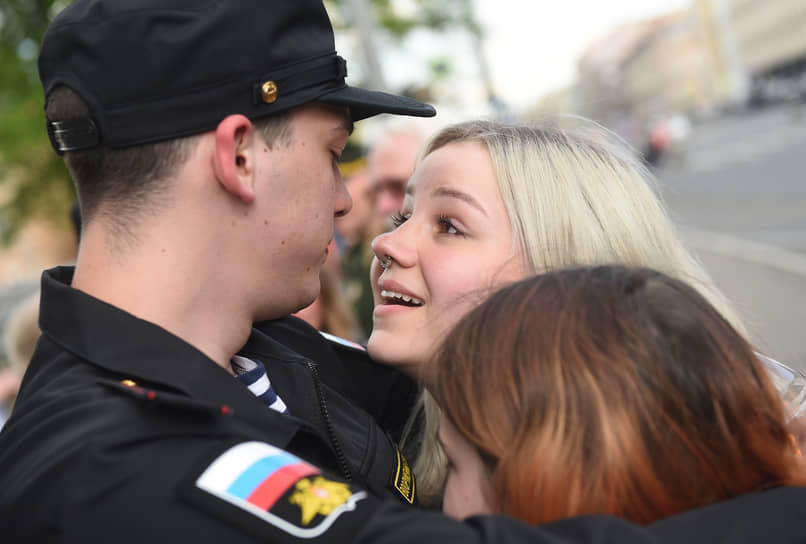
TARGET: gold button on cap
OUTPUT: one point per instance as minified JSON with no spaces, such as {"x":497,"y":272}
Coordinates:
{"x":269,"y":92}
{"x":128,"y":383}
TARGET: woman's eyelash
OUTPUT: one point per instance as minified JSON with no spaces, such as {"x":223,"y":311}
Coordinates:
{"x":446,"y":223}
{"x":443,"y":220}
{"x":398,"y":219}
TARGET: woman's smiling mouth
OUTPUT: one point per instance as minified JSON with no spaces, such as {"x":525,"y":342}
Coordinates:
{"x":393,"y":297}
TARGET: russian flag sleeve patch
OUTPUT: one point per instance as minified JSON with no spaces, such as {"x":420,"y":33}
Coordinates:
{"x":278,"y":488}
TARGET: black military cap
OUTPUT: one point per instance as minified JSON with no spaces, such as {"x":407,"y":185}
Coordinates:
{"x":153,"y":70}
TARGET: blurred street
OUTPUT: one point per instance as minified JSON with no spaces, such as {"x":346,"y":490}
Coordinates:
{"x":739,"y":192}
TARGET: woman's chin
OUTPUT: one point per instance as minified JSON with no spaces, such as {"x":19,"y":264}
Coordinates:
{"x":392,"y":353}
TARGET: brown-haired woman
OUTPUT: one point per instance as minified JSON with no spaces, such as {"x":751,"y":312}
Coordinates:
{"x":610,"y":390}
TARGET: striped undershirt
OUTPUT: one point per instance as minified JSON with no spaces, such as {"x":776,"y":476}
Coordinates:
{"x":252,"y":374}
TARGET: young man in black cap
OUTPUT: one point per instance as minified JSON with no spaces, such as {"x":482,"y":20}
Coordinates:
{"x":203,"y":137}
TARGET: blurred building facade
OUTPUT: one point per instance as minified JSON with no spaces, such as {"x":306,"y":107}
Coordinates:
{"x":754,"y":41}
{"x":644,"y":70}
{"x":770,"y":34}
{"x":693,"y":61}
{"x":559,"y":101}
{"x":671,"y":71}
{"x":599,"y":92}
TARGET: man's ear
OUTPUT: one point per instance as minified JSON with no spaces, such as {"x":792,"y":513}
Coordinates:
{"x":234,"y":161}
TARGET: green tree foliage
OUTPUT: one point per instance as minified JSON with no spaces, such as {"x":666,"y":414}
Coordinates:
{"x":434,"y":15}
{"x":430,"y":14}
{"x":397,"y":23}
{"x":33,"y":180}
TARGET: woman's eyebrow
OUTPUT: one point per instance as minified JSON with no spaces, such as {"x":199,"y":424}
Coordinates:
{"x":456,"y":193}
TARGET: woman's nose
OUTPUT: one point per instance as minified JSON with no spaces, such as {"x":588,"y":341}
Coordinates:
{"x":394,"y":246}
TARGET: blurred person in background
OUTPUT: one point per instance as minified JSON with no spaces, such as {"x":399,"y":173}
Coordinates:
{"x":356,"y":231}
{"x":19,"y":341}
{"x":658,"y":141}
{"x":492,"y":203}
{"x":21,"y":333}
{"x":9,"y":386}
{"x":666,"y":139}
{"x":612,"y":390}
{"x":392,"y":159}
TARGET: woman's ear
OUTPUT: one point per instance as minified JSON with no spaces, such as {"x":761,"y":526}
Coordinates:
{"x":234,"y":160}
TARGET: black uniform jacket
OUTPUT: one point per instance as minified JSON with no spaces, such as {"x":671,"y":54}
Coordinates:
{"x":380,"y":390}
{"x":124,"y":433}
{"x":113,"y":405}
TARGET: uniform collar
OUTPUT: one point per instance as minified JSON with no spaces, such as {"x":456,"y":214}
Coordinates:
{"x":115,"y":340}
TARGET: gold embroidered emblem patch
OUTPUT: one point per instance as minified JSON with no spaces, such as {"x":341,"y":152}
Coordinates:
{"x":318,"y":496}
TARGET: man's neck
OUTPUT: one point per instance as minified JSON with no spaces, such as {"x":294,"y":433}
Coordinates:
{"x":168,"y":286}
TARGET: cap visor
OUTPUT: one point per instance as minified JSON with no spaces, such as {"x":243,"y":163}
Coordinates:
{"x":364,"y":103}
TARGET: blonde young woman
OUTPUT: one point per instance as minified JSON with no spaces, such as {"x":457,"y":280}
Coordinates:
{"x":490,"y":204}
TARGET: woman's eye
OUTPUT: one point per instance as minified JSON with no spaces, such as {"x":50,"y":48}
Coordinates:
{"x":336,"y":156}
{"x":400,"y":218}
{"x":446,"y":226}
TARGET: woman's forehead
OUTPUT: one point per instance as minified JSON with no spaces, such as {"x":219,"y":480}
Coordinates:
{"x":458,"y":167}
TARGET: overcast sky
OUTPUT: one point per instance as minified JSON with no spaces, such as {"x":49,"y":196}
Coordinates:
{"x":532,"y":45}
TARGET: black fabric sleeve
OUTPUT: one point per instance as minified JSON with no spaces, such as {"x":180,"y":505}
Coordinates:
{"x":391,"y":524}
{"x":385,"y":393}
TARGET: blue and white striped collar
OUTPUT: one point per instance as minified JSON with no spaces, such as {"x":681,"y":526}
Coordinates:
{"x":252,"y":374}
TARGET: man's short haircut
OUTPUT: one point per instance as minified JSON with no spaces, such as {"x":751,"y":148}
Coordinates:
{"x":125,"y":183}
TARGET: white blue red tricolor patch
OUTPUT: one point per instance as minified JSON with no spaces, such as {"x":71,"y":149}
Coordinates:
{"x":279,"y":488}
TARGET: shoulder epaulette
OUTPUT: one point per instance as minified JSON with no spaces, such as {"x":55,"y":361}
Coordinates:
{"x":158,"y":398}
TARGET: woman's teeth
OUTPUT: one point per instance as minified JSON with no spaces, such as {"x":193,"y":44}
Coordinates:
{"x":401,"y":298}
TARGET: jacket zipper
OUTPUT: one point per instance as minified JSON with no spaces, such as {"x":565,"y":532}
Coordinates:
{"x":334,"y":441}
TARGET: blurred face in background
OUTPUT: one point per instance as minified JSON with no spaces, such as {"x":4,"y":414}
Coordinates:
{"x":391,"y":163}
{"x":452,"y":245}
{"x":363,"y":221}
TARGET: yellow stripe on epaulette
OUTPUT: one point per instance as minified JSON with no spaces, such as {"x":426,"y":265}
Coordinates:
{"x":403,"y":479}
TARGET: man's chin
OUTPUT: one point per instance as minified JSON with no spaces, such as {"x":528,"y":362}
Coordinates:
{"x":309,"y":298}
{"x":275,"y":312}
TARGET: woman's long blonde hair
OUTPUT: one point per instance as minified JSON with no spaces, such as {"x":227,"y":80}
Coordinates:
{"x":575,"y":195}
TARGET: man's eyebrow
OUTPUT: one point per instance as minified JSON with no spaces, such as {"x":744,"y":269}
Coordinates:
{"x":456,"y":193}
